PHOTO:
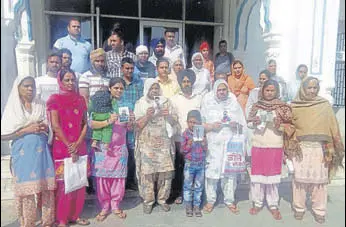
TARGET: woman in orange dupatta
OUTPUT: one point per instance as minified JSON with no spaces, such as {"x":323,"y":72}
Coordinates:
{"x":240,"y":83}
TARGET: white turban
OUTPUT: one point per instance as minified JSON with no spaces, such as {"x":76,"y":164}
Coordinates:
{"x":141,"y":49}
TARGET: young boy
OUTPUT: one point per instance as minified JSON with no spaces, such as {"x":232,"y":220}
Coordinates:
{"x":194,"y":153}
{"x":101,"y":109}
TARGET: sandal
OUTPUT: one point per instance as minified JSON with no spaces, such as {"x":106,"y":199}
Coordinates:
{"x":147,"y":209}
{"x":276,"y":214}
{"x":254,"y":210}
{"x":81,"y":221}
{"x":208,"y":208}
{"x":319,"y":218}
{"x":298,"y":215}
{"x":101,"y":216}
{"x":189,"y":212}
{"x":197,"y":211}
{"x":178,"y":200}
{"x":234,"y":209}
{"x":120,"y":214}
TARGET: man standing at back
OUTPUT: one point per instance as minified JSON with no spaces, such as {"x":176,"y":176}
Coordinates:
{"x":223,"y":57}
{"x":173,"y":51}
{"x":79,"y":47}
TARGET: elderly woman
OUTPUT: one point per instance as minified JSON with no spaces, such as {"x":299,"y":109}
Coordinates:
{"x":144,"y":68}
{"x":301,"y":73}
{"x":240,"y":84}
{"x":321,"y":150}
{"x":110,"y":165}
{"x":177,"y":66}
{"x":24,"y":122}
{"x":155,"y":150}
{"x":213,"y":107}
{"x":208,"y":64}
{"x":203,"y":83}
{"x":67,"y":112}
{"x":267,"y":117}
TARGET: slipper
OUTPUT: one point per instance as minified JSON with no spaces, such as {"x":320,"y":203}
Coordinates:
{"x":254,"y":210}
{"x":179,"y":200}
{"x":276,"y":214}
{"x":319,"y":218}
{"x":298,"y":215}
{"x":120,"y":214}
{"x":234,"y":209}
{"x":208,"y":208}
{"x":101,"y":217}
{"x":81,"y":221}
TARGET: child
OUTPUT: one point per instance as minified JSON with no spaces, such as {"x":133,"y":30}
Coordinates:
{"x":101,"y":109}
{"x":194,"y":153}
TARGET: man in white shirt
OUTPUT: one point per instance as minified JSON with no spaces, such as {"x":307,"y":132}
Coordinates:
{"x":47,"y":85}
{"x":173,"y":51}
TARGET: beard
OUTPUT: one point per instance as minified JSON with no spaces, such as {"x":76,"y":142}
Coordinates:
{"x":159,"y":54}
{"x":186,"y":90}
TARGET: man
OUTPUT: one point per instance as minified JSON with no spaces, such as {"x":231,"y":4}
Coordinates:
{"x":47,"y":85}
{"x":173,"y":50}
{"x":223,"y":56}
{"x":79,"y":47}
{"x":96,"y":78}
{"x":133,"y":91}
{"x":144,"y":68}
{"x":168,"y":86}
{"x":91,"y":81}
{"x":117,"y":53}
{"x":158,"y":46}
{"x":183,"y":102}
{"x":271,"y":67}
{"x":66,"y":60}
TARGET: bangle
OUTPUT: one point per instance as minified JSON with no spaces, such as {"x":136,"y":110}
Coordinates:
{"x":17,"y":133}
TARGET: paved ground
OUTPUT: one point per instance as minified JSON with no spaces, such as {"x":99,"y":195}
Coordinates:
{"x":220,"y":217}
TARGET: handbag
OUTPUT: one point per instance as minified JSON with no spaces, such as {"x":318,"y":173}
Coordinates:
{"x":75,"y":174}
{"x":234,"y":155}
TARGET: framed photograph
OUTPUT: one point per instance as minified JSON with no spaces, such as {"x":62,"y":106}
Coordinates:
{"x":226,"y":119}
{"x":198,"y":133}
{"x":124,"y":114}
{"x":157,"y":104}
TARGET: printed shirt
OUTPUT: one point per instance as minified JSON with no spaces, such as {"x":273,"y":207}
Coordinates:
{"x":113,"y":60}
{"x":80,"y":50}
{"x":195,"y":152}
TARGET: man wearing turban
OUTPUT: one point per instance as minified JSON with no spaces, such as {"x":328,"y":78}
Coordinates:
{"x":158,"y":47}
{"x":183,"y":102}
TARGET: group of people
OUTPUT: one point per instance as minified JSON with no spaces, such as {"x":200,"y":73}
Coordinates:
{"x":74,"y":111}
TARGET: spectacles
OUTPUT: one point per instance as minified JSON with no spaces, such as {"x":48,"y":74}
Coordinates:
{"x":144,"y":53}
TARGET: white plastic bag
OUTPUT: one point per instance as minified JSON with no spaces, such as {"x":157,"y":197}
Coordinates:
{"x":75,"y":174}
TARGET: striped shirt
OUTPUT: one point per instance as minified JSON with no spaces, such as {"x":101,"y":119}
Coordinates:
{"x":94,"y":82}
{"x":113,"y":60}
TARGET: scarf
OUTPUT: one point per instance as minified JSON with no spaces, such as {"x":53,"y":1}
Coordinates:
{"x":315,"y":120}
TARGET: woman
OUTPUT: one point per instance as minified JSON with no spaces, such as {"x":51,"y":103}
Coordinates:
{"x":178,"y":66}
{"x":240,"y":84}
{"x":155,"y":150}
{"x":301,"y":73}
{"x":110,"y":165}
{"x":283,"y":85}
{"x":144,"y":68}
{"x":208,"y":64}
{"x":67,"y":112}
{"x":321,"y":150}
{"x":213,"y":106}
{"x":24,"y":122}
{"x":264,"y":75}
{"x":202,"y":84}
{"x":267,"y":117}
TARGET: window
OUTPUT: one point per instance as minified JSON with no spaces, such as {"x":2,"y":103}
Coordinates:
{"x":204,"y":10}
{"x":68,"y":6}
{"x":118,"y":7}
{"x":171,"y":9}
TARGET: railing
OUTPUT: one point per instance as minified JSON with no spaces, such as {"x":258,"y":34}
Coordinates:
{"x":339,"y":90}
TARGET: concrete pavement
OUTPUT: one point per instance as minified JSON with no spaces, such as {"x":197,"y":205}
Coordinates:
{"x":220,"y":217}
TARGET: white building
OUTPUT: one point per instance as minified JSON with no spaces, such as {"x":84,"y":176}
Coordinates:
{"x":291,"y":31}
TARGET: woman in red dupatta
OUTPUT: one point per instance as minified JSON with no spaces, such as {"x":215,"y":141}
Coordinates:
{"x":240,"y":83}
{"x":67,"y":113}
